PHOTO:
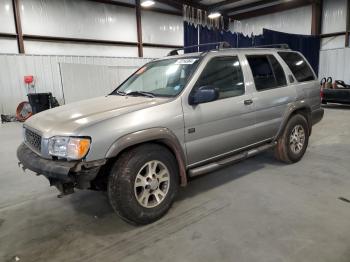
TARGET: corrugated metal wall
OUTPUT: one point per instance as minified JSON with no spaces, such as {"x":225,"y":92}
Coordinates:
{"x":334,"y":56}
{"x":88,"y":20}
{"x":88,"y":81}
{"x":294,"y":21}
{"x":334,"y":63}
{"x":47,"y":73}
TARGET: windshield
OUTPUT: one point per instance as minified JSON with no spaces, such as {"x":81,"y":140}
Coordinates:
{"x":159,"y":78}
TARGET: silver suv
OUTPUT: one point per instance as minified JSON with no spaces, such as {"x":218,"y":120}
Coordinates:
{"x":173,"y":119}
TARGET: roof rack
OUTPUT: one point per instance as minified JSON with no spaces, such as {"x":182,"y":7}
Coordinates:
{"x":219,"y":45}
{"x":281,"y":46}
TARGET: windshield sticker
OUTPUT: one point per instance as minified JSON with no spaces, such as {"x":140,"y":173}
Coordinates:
{"x":188,"y":61}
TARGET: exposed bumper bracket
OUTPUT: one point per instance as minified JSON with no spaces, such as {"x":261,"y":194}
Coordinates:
{"x":64,"y":175}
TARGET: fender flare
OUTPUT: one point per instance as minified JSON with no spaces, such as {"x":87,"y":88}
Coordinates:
{"x":158,"y":134}
{"x":300,"y":105}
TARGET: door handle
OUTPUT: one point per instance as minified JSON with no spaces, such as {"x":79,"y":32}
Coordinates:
{"x":248,"y":102}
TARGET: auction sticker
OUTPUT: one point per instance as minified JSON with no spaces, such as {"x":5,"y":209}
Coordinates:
{"x":188,"y":61}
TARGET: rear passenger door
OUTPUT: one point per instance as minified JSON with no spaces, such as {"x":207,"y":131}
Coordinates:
{"x":272,"y":94}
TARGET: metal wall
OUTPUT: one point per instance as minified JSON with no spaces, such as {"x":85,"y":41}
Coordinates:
{"x":47,"y":73}
{"x":78,"y":19}
{"x":294,"y":21}
{"x":334,"y":56}
{"x":333,"y":21}
{"x":85,"y":19}
{"x":160,"y":28}
{"x":335,"y":63}
{"x":7,"y":26}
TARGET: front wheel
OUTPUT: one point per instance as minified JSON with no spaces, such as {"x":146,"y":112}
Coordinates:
{"x":143,"y":183}
{"x":291,"y":146}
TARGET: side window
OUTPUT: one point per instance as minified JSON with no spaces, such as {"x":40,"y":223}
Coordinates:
{"x":225,"y":74}
{"x":267,"y":72}
{"x":278,"y":70}
{"x":298,"y":66}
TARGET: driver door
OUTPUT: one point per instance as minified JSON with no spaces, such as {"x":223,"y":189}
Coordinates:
{"x":222,"y":126}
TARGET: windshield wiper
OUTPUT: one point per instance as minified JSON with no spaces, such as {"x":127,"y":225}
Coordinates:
{"x":121,"y":93}
{"x":142,"y":93}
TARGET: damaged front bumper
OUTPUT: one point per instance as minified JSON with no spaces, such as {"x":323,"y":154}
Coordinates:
{"x":65,"y":175}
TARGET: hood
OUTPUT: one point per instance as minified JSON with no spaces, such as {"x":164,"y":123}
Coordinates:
{"x":68,"y":119}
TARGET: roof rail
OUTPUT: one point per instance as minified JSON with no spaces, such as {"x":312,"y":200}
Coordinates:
{"x":218,"y":45}
{"x":281,"y":46}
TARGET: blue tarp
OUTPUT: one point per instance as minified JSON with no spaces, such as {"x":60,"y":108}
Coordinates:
{"x":309,"y":46}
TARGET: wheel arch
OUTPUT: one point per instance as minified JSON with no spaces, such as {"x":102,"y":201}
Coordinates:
{"x":162,"y":136}
{"x":299,"y":108}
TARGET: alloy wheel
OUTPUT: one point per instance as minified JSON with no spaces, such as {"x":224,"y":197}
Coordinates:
{"x":152,"y":184}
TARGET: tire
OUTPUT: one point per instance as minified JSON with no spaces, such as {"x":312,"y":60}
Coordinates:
{"x":288,"y":149}
{"x":143,"y":203}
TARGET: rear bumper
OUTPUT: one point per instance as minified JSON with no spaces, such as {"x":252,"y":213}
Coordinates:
{"x":77,"y":173}
{"x":317,"y":115}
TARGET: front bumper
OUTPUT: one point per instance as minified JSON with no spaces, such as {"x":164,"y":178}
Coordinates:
{"x":75,"y":173}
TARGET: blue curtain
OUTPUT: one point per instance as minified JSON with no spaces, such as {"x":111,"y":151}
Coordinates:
{"x":230,"y":38}
{"x":309,"y":46}
{"x":207,"y":35}
{"x":191,"y":37}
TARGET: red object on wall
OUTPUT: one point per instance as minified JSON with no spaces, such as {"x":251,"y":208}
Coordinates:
{"x":28,"y":79}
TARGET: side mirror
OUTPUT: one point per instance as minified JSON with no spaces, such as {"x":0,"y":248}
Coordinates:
{"x":204,"y":94}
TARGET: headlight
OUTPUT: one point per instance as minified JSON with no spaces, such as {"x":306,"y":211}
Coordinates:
{"x":69,"y":147}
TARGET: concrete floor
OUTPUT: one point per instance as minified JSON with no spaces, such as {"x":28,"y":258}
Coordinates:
{"x":257,"y":210}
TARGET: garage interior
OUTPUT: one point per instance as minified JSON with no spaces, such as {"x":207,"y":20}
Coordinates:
{"x":255,"y":210}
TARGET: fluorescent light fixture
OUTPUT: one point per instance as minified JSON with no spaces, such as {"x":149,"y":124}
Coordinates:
{"x":214,"y":15}
{"x":299,"y":63}
{"x":147,"y":3}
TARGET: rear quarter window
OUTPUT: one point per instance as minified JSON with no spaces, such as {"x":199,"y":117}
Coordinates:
{"x":298,"y":65}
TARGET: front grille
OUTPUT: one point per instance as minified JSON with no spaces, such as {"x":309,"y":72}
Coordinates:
{"x":33,"y":139}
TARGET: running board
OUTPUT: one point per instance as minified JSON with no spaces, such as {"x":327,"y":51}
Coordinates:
{"x":229,"y":160}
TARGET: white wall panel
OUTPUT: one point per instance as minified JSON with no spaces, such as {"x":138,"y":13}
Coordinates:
{"x":334,"y":63}
{"x":7,"y":22}
{"x":78,"y":19}
{"x":46,"y":71}
{"x":333,"y":42}
{"x":8,"y":46}
{"x":54,"y":48}
{"x":155,"y":52}
{"x":294,"y":21}
{"x":334,"y":16}
{"x":160,"y":28}
{"x":88,"y":81}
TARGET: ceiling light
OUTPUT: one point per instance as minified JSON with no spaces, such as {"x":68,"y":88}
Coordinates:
{"x":214,"y":15}
{"x":147,"y":3}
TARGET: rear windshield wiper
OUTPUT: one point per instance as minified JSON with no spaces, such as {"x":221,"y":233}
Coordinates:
{"x":142,"y":93}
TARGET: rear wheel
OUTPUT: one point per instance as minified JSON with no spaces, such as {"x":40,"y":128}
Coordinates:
{"x":291,"y":146}
{"x":143,"y":183}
